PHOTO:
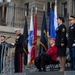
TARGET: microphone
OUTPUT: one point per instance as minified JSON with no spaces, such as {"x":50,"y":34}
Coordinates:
{"x":8,"y":37}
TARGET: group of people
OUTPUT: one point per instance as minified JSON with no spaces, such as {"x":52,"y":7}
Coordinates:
{"x":63,"y":41}
{"x":59,"y":46}
{"x":18,"y":50}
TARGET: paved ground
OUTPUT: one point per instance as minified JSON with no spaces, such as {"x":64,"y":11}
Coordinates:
{"x":28,"y":70}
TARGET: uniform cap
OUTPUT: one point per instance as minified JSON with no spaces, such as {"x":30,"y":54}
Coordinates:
{"x":72,"y":17}
{"x":16,"y":29}
{"x":52,"y":39}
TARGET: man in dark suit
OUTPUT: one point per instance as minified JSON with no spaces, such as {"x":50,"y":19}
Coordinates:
{"x":4,"y":42}
{"x":18,"y":51}
{"x":61,"y":42}
{"x":5,"y":45}
{"x":4,"y":51}
{"x":71,"y":41}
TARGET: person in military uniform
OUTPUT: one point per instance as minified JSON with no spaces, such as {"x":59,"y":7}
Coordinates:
{"x":71,"y":41}
{"x":18,"y":51}
{"x":61,"y":43}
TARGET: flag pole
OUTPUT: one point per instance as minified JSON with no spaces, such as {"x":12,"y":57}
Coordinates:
{"x":36,"y":10}
{"x":32,"y":11}
{"x":25,"y":13}
{"x":44,"y":7}
{"x":44,"y":12}
{"x":30,"y":37}
{"x":25,"y":34}
{"x":55,"y":1}
{"x":55,"y":12}
{"x":36,"y":30}
{"x":48,"y":26}
{"x":34,"y":46}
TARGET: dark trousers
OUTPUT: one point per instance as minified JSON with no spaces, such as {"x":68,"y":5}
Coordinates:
{"x":72,"y":58}
{"x":42,"y":60}
{"x":18,"y":62}
{"x":0,"y":65}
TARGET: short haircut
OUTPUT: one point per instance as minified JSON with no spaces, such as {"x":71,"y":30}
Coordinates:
{"x":62,"y":19}
{"x":3,"y":36}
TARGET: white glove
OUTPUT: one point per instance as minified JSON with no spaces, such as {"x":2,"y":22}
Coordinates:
{"x":73,"y":44}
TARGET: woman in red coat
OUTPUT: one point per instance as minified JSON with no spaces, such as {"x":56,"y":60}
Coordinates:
{"x":51,"y":54}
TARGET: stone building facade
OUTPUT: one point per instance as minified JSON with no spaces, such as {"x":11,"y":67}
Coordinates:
{"x":15,"y":11}
{"x":14,"y":14}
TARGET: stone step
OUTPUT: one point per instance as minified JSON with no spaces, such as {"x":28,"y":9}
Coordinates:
{"x":44,"y":73}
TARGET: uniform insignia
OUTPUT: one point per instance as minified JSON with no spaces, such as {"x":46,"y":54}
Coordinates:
{"x":57,"y":28}
{"x":62,"y":38}
{"x":63,"y":30}
{"x":17,"y":37}
{"x":72,"y":27}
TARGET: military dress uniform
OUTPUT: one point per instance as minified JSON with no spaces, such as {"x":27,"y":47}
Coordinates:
{"x":18,"y":53}
{"x":71,"y":44}
{"x":71,"y":35}
{"x":61,"y":39}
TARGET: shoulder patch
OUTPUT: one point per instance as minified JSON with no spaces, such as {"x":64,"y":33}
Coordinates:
{"x":63,"y":30}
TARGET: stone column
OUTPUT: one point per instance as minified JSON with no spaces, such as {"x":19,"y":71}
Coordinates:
{"x":69,"y":7}
{"x":9,"y":14}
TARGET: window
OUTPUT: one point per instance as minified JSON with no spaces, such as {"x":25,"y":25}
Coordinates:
{"x":27,"y":7}
{"x":1,"y":12}
{"x":64,"y":8}
{"x":48,"y":7}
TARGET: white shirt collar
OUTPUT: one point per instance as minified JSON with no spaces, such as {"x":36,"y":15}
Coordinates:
{"x":52,"y":45}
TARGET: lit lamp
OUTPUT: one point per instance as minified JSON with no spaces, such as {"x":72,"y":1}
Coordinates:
{"x":3,"y":2}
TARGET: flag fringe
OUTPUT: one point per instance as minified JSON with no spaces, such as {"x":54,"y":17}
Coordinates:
{"x":43,"y":45}
{"x":25,"y":51}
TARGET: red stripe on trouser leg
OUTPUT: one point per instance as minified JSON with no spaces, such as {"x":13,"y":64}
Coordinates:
{"x":20,"y":62}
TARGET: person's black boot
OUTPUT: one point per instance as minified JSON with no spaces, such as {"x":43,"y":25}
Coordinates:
{"x":39,"y":70}
{"x":44,"y":69}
